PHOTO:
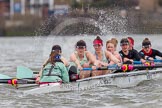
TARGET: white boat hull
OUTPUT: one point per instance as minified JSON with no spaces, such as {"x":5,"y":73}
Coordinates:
{"x":122,"y":80}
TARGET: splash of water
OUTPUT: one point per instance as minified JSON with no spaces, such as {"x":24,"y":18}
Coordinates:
{"x":108,"y":23}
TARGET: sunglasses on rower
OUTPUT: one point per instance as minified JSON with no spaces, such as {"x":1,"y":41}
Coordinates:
{"x":80,"y":47}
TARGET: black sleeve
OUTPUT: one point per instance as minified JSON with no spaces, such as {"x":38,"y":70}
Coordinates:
{"x":158,"y":53}
{"x":136,"y":55}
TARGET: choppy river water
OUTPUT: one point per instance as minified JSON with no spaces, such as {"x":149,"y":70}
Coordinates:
{"x":32,"y":51}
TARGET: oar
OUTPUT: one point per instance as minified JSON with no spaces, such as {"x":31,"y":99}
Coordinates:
{"x":2,"y":76}
{"x":10,"y":80}
{"x":17,"y":81}
{"x":24,"y":73}
{"x":139,"y":62}
{"x":132,"y":67}
{"x":111,"y":67}
{"x":157,"y":60}
{"x":126,"y":67}
{"x":145,"y":66}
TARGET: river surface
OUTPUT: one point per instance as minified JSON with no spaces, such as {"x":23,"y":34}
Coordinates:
{"x":32,"y":51}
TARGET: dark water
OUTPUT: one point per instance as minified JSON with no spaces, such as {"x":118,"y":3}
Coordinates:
{"x":31,"y":52}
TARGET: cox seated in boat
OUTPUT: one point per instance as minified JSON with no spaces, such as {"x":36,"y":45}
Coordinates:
{"x":54,"y":69}
{"x":82,"y":58}
{"x":128,"y":56}
{"x":103,"y":57}
{"x":147,"y":52}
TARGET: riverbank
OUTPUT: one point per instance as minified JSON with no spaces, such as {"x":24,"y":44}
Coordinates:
{"x":135,"y":21}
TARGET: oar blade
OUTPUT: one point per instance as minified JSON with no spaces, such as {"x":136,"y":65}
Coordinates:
{"x":24,"y":72}
{"x":4,"y":76}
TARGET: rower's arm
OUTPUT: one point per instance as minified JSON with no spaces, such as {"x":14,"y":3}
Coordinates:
{"x":158,"y":53}
{"x":112,"y":57}
{"x":91,"y":58}
{"x":137,"y":56}
{"x":74,"y":59}
{"x":117,"y":55}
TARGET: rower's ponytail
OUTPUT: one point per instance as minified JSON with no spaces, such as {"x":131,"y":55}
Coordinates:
{"x":98,"y":38}
{"x":146,"y":41}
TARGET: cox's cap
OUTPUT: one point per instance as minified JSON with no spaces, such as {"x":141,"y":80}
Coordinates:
{"x":56,"y":47}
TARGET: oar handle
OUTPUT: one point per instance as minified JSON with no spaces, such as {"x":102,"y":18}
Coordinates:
{"x":100,"y":68}
{"x":139,"y":62}
{"x":21,"y":82}
{"x":111,"y":67}
{"x":157,"y":60}
{"x":126,"y":67}
{"x":87,"y":69}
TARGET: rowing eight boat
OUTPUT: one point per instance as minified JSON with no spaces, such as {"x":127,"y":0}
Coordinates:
{"x":122,"y":80}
